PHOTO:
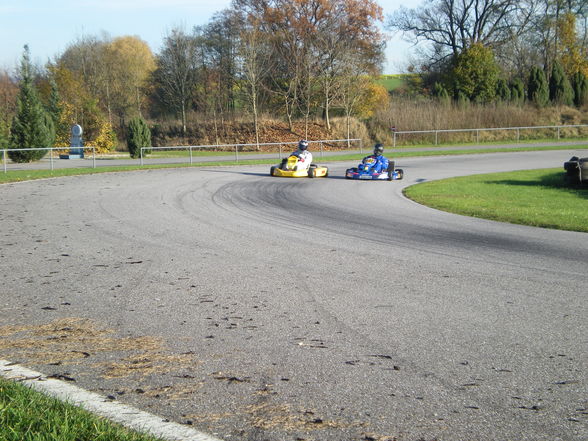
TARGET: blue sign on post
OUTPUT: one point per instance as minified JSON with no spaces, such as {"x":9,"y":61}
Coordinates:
{"x":75,"y":152}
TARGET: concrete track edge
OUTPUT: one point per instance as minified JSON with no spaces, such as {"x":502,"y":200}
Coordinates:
{"x":114,"y":411}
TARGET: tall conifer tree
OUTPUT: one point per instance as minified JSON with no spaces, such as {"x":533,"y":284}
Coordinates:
{"x":31,"y":126}
{"x":537,"y":88}
{"x":580,"y":86}
{"x":560,"y":89}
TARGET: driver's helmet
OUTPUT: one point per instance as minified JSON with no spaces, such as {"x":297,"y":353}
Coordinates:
{"x":378,"y":149}
{"x":302,"y":145}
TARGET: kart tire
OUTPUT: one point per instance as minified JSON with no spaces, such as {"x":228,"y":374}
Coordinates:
{"x":311,"y":172}
{"x":390,"y":171}
{"x":273,"y":170}
{"x":400,"y":173}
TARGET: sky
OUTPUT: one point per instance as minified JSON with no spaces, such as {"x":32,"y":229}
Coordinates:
{"x":49,"y":26}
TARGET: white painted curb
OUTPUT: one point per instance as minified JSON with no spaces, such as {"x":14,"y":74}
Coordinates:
{"x":121,"y":413}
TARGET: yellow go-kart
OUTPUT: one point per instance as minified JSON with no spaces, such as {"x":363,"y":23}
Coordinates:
{"x":289,"y":168}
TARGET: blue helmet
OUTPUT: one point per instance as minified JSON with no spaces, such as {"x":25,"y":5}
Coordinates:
{"x":302,"y":145}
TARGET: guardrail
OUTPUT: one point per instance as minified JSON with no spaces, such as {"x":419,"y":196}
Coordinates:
{"x":489,"y":129}
{"x":237,"y":147}
{"x":51,"y":150}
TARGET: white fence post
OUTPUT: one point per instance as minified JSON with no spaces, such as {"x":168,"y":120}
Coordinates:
{"x":4,"y":159}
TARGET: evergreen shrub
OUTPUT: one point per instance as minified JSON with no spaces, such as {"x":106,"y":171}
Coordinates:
{"x":138,"y":135}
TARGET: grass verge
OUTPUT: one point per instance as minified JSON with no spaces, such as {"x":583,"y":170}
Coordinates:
{"x":533,"y":197}
{"x":26,"y":175}
{"x":27,"y":415}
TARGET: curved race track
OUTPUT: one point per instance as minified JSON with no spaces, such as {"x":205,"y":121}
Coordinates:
{"x":260,"y":308}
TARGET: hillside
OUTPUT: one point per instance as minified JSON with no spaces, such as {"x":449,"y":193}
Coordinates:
{"x":209,"y":133}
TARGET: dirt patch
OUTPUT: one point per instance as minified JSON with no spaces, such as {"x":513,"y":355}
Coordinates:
{"x":269,"y":416}
{"x":270,"y":131}
{"x":71,"y":341}
{"x":147,"y":363}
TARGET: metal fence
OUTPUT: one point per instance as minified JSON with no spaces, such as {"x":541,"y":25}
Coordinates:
{"x":50,"y":150}
{"x":557,"y":130}
{"x":240,"y":151}
{"x":252,"y":149}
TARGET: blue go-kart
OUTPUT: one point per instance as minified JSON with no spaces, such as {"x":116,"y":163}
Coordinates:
{"x":366,"y":170}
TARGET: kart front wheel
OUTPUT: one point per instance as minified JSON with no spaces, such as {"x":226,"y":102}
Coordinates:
{"x":400,"y":173}
{"x":311,"y":172}
{"x":273,"y":170}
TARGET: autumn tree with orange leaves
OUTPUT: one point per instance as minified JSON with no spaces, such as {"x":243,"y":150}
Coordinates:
{"x":311,"y":42}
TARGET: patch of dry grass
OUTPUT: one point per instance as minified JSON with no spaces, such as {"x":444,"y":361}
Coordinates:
{"x":411,"y":115}
{"x":147,"y":363}
{"x":270,"y":416}
{"x":75,"y":340}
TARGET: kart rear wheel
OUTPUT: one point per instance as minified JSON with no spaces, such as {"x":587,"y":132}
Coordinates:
{"x":273,"y":170}
{"x":400,"y":173}
{"x":311,"y":172}
{"x":390,"y":170}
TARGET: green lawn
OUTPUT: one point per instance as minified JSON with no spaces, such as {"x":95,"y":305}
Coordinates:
{"x":26,"y":415}
{"x":392,"y":82}
{"x":535,"y":197}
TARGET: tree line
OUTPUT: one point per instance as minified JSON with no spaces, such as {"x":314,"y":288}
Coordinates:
{"x":505,"y":50}
{"x":299,"y":60}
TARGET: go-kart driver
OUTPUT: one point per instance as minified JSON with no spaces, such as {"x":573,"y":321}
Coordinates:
{"x":381,"y":162}
{"x":303,"y":155}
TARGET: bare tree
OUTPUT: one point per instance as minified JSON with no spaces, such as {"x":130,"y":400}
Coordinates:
{"x":450,"y":26}
{"x":219,"y":44}
{"x":255,"y":64}
{"x":346,"y":27}
{"x":309,"y":38}
{"x":352,"y":87}
{"x":176,"y":73}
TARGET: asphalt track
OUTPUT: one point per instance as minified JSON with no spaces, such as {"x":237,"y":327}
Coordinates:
{"x":259,"y":308}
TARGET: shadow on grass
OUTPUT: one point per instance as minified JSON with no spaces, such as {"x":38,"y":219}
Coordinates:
{"x":552,"y":180}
